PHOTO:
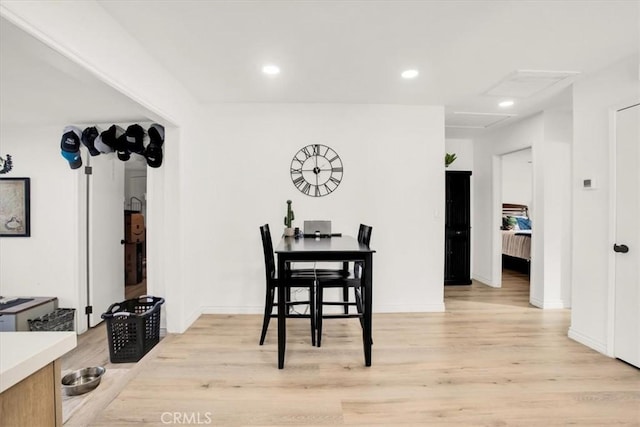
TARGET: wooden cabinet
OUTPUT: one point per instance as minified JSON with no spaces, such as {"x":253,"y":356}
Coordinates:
{"x":457,"y":248}
{"x":34,"y":401}
{"x":30,"y":387}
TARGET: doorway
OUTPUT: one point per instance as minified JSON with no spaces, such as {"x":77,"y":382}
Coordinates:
{"x":115,"y":232}
{"x":516,"y":222}
{"x":135,"y":215}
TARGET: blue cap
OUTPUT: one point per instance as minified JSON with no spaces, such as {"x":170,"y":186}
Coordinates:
{"x":74,"y":159}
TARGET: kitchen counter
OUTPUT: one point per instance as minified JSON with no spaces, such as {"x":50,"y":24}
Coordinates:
{"x":30,"y":388}
{"x":23,"y":353}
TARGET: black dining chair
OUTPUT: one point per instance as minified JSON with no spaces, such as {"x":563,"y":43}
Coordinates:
{"x":276,"y":278}
{"x":352,"y":280}
{"x":364,"y":236}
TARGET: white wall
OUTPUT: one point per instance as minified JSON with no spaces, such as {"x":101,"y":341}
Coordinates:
{"x":393,"y":181}
{"x":517,"y":177}
{"x":549,"y":136}
{"x":555,"y":154}
{"x":42,"y":265}
{"x":463,"y":149}
{"x":487,"y":188}
{"x":595,"y":98}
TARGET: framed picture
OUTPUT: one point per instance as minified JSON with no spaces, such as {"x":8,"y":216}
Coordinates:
{"x":14,"y":207}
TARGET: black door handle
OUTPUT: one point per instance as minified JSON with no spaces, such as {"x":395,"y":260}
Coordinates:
{"x":122,"y":242}
{"x":621,"y":248}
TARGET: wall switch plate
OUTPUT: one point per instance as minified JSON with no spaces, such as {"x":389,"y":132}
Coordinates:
{"x":589,"y":184}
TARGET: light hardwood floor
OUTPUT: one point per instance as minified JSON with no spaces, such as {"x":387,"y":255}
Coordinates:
{"x":491,"y":359}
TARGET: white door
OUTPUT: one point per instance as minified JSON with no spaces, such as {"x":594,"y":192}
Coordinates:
{"x":627,"y":257}
{"x":106,"y":230}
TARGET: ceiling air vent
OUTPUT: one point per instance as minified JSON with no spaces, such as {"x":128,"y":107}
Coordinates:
{"x":470,"y":120}
{"x":525,"y":83}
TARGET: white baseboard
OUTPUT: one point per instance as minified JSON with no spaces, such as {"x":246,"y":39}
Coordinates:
{"x":401,"y":308}
{"x":191,"y":320}
{"x":588,"y":341}
{"x":220,"y":309}
{"x":484,"y":281}
{"x":421,"y":308}
{"x":548,"y":304}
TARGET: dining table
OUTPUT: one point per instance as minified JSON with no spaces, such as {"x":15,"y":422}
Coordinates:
{"x":336,"y":248}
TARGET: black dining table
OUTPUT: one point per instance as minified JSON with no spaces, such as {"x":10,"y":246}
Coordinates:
{"x":325,"y":249}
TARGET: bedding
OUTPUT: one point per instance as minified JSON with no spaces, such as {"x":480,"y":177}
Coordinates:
{"x":517,"y":243}
{"x":516,"y":231}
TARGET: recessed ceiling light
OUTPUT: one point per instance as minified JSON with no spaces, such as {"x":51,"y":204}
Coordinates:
{"x":505,"y":104}
{"x":409,"y":74}
{"x":271,"y":70}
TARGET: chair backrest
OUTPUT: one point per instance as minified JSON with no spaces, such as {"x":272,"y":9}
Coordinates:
{"x":267,"y":247}
{"x":364,"y":234}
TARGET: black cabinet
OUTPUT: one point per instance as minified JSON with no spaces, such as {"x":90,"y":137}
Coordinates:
{"x":457,"y":247}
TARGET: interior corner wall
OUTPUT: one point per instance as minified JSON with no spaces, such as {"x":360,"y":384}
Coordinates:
{"x":487,"y":241}
{"x":549,"y":136}
{"x":463,"y":149}
{"x":595,"y":97}
{"x":517,"y":177}
{"x":556,"y":208}
{"x":48,"y":262}
{"x":240,"y":176}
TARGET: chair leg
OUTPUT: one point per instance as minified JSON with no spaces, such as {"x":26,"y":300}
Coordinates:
{"x":319,"y":316}
{"x":359,"y":308}
{"x":358,"y":296}
{"x":345,"y":298}
{"x":268,"y":308}
{"x":312,"y":314}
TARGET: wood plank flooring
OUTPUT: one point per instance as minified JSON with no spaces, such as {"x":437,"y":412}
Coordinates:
{"x":491,"y":359}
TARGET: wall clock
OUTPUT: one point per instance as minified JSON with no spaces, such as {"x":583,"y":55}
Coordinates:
{"x":316,"y":170}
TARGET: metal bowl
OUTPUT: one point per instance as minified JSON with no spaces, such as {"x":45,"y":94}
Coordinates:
{"x":82,"y":380}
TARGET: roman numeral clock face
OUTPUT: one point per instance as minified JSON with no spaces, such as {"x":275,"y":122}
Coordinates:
{"x":316,"y":170}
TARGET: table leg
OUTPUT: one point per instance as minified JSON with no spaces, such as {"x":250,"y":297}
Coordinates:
{"x":282,"y":328}
{"x":367,"y":279}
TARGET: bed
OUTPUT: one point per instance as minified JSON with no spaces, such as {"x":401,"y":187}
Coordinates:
{"x":516,"y":236}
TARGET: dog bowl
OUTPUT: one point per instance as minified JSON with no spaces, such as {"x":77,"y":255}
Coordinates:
{"x":82,"y":380}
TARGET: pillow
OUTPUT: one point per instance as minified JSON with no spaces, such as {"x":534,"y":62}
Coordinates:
{"x":523,"y":223}
{"x":509,"y":222}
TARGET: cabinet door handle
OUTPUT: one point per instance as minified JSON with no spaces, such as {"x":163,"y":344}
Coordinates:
{"x":623,"y":249}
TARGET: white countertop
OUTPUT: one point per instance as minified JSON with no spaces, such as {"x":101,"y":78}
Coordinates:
{"x":23,"y":353}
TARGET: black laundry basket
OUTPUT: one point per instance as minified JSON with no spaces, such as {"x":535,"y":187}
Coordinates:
{"x":133,"y":328}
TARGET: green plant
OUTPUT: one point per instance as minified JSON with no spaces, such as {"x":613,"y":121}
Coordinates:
{"x":449,"y":158}
{"x":288,"y":220}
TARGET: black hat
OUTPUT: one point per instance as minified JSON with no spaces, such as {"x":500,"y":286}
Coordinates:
{"x":156,"y":134}
{"x":109,"y":139}
{"x":135,"y":139}
{"x":89,"y":136}
{"x":70,"y":146}
{"x":153,"y":152}
{"x":121,"y":145}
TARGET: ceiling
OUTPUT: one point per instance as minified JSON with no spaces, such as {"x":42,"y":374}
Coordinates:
{"x":40,"y":86}
{"x":336,"y":52}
